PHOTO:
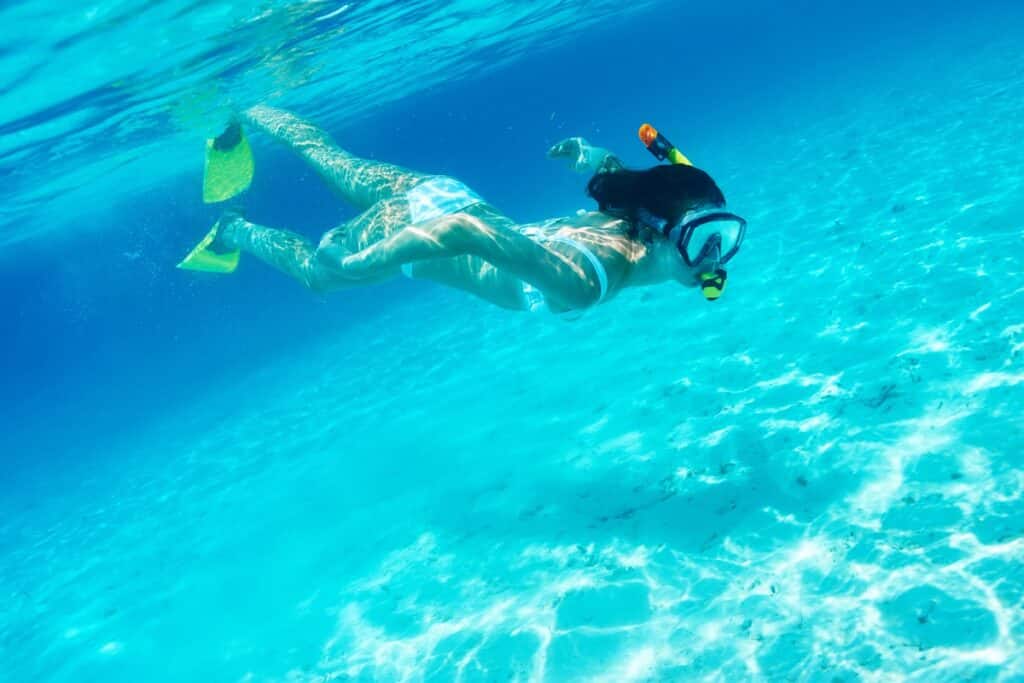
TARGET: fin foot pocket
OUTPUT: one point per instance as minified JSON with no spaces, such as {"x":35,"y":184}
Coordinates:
{"x":203,"y":259}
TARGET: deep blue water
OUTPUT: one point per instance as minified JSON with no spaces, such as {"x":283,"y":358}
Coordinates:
{"x":233,"y":479}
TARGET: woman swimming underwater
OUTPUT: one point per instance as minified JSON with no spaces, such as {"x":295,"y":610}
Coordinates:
{"x":666,"y":223}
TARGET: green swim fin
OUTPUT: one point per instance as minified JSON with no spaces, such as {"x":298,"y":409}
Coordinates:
{"x":205,"y":260}
{"x":229,"y":165}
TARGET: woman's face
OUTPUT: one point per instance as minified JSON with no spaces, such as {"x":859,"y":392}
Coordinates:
{"x":675,"y":267}
{"x":673,"y":263}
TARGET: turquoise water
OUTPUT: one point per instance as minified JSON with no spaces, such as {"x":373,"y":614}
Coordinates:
{"x":818,"y":478}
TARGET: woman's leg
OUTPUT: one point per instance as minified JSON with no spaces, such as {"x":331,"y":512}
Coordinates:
{"x":377,"y":187}
{"x":361,"y":182}
{"x":473,"y":275}
{"x":317,"y":267}
{"x":483,"y":233}
{"x":292,"y":254}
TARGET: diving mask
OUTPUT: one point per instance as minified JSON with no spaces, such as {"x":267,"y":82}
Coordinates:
{"x":716,"y":234}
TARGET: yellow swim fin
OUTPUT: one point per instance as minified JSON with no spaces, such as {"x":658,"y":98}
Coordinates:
{"x":229,"y":165}
{"x":205,"y":260}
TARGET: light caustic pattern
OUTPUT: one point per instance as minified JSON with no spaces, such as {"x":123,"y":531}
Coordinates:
{"x":98,"y":92}
{"x":830,"y":530}
{"x":818,"y":479}
{"x":832,"y":490}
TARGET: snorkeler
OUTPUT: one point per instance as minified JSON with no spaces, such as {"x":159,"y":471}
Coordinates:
{"x":665,"y":223}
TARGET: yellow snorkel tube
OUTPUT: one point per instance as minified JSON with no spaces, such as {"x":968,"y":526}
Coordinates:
{"x":711,"y":284}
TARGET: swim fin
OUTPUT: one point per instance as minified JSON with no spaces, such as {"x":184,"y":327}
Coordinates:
{"x":205,"y":260}
{"x":229,"y":165}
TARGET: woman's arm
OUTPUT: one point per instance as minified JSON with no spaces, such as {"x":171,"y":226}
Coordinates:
{"x":584,"y":157}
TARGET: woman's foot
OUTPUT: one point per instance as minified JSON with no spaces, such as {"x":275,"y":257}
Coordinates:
{"x":222,"y":240}
{"x":230,"y":138}
{"x":216,"y":252}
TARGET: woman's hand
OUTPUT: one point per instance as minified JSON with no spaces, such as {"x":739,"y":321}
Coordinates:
{"x":582,"y":156}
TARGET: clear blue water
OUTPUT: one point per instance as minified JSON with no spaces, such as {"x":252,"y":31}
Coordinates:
{"x":816,"y":479}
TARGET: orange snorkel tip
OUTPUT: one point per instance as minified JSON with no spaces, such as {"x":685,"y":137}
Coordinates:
{"x":658,"y":145}
{"x":648,"y":134}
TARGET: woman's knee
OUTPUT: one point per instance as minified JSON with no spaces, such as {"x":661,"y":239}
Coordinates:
{"x":328,"y":255}
{"x":324,"y":266}
{"x":458,"y":231}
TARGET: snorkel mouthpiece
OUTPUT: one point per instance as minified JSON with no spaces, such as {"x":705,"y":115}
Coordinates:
{"x":713,"y":284}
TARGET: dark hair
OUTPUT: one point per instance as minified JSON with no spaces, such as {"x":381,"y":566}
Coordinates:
{"x":668,"y":192}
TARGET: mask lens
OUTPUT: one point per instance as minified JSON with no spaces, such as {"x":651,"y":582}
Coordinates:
{"x":726,"y":232}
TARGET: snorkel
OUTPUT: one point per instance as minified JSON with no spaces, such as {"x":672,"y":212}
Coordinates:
{"x":658,"y":145}
{"x":712,"y":282}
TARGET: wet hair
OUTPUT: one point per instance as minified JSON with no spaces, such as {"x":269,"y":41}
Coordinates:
{"x":667,"y":192}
